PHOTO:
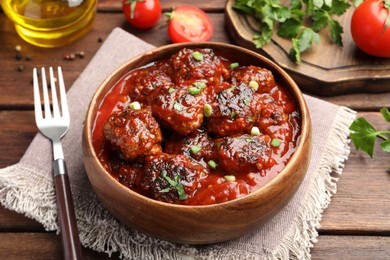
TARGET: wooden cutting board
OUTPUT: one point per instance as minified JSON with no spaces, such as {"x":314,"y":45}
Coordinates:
{"x":326,"y":69}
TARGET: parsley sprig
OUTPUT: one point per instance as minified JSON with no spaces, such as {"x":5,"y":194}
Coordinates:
{"x":299,"y":20}
{"x":364,"y":135}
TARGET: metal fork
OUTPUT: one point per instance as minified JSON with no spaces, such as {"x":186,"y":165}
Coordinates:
{"x":54,"y":125}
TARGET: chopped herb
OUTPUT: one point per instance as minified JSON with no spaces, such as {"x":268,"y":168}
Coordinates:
{"x":234,"y":65}
{"x":180,"y":191}
{"x":197,"y":56}
{"x":135,"y":105}
{"x":154,"y":85}
{"x":232,"y":114}
{"x":177,"y":106}
{"x":232,"y":88}
{"x":165,"y":190}
{"x":218,"y":144}
{"x":212,"y":164}
{"x":200,"y":84}
{"x":255,"y":131}
{"x":175,"y":184}
{"x":254,"y":85}
{"x":276,"y":142}
{"x":195,"y":149}
{"x":207,"y":110}
{"x":230,"y":177}
{"x":171,"y":90}
{"x":247,"y":101}
{"x":194,"y":91}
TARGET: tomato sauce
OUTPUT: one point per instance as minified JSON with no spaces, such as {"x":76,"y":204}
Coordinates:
{"x":196,"y":128}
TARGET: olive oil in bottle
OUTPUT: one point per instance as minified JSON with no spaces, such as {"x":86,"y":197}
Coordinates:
{"x":51,"y":23}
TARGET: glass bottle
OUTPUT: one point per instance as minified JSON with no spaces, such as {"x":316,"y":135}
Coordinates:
{"x":51,"y":23}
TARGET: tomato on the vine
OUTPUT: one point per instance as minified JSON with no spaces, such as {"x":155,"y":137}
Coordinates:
{"x":189,"y":24}
{"x":370,"y":27}
{"x":142,"y":14}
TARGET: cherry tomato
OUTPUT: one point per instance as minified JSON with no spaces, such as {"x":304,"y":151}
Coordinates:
{"x":142,"y":14}
{"x":189,"y":24}
{"x":369,"y":30}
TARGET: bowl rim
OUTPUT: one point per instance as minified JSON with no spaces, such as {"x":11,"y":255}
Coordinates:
{"x":293,"y":90}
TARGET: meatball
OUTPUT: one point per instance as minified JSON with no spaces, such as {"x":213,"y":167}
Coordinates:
{"x":178,"y":109}
{"x":135,"y":133}
{"x":141,"y":83}
{"x":128,"y":175}
{"x":243,"y":154}
{"x":197,"y":64}
{"x":171,"y":178}
{"x":197,"y":145}
{"x":234,"y":110}
{"x":264,"y":79}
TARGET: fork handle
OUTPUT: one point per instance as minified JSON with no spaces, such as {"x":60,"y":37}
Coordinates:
{"x":69,"y":235}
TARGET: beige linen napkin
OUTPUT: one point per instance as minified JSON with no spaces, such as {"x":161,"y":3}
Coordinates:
{"x":27,"y":187}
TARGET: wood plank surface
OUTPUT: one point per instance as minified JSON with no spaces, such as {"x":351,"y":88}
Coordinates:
{"x":356,"y":225}
{"x":47,"y":246}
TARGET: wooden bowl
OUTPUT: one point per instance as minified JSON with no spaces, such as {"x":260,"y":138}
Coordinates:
{"x":197,"y":224}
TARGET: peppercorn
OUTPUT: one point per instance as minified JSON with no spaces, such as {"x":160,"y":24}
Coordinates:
{"x":28,"y":57}
{"x":18,"y":56}
{"x":20,"y":68}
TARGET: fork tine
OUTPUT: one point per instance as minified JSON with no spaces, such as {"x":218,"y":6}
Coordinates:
{"x":37,"y":97}
{"x":46,"y":100}
{"x":64,"y":102}
{"x":54,"y":100}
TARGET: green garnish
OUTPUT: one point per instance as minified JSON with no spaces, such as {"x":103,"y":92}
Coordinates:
{"x":300,"y":21}
{"x":276,"y":142}
{"x":171,"y":90}
{"x":255,"y":131}
{"x":194,"y":90}
{"x":232,"y":114}
{"x":200,"y":84}
{"x":254,"y":85}
{"x":135,"y":105}
{"x":234,"y":65}
{"x":207,"y":110}
{"x":197,"y":56}
{"x":177,"y":106}
{"x":212,"y":164}
{"x":230,"y":177}
{"x":247,"y":101}
{"x":195,"y":149}
{"x":175,"y":184}
{"x":364,"y":135}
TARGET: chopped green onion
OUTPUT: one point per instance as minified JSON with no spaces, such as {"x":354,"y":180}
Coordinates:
{"x":170,"y":90}
{"x":276,"y":142}
{"x":230,"y":177}
{"x":247,"y":101}
{"x":197,"y":56}
{"x":212,"y":164}
{"x":234,"y":65}
{"x":135,"y":105}
{"x":194,"y":91}
{"x":254,"y":85}
{"x":180,"y":191}
{"x":232,"y":114}
{"x":255,"y":131}
{"x":195,"y":149}
{"x":232,"y":88}
{"x":177,"y":106}
{"x":200,"y":84}
{"x":207,"y":110}
{"x":169,"y":180}
{"x":165,"y":190}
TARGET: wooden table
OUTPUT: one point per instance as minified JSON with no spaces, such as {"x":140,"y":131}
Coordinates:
{"x":355,"y":225}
